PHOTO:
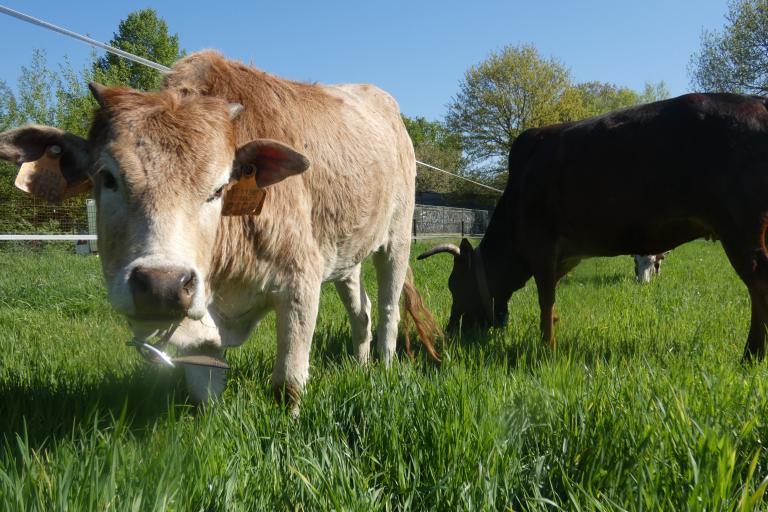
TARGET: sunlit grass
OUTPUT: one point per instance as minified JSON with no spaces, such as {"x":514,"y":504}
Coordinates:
{"x":644,"y":405}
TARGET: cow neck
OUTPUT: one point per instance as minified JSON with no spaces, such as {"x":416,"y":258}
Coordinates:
{"x":482,"y":285}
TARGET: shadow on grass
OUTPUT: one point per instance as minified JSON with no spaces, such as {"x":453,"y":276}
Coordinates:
{"x":524,"y":349}
{"x":597,"y":280}
{"x":333,"y":343}
{"x":44,"y":413}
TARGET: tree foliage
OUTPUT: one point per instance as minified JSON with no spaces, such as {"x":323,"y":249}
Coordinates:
{"x":736,"y":58}
{"x":145,"y":34}
{"x":600,"y":97}
{"x":512,"y":90}
{"x":436,"y":145}
{"x":61,"y":98}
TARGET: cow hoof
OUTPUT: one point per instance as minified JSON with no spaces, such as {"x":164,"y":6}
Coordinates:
{"x":289,"y":397}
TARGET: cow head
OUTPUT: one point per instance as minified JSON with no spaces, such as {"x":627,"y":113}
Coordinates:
{"x":162,"y":166}
{"x":470,"y":308}
{"x":646,"y":266}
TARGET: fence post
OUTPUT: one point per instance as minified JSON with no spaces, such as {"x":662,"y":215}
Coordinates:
{"x":414,"y":229}
{"x":462,"y":229}
{"x":90,"y":210}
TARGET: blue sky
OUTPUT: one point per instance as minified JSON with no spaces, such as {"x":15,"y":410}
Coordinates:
{"x":416,"y":50}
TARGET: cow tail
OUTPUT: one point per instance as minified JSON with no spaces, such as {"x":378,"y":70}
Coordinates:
{"x":415,"y":310}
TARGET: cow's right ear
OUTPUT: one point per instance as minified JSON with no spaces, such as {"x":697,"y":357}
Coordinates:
{"x":54,"y":163}
{"x":466,"y":253}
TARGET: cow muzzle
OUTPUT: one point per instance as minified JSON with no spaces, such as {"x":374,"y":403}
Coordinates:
{"x":162,"y":293}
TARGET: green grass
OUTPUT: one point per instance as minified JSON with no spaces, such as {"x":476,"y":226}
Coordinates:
{"x":643,"y":406}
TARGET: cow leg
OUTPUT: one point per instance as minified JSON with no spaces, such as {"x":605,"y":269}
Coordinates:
{"x":751,"y":265}
{"x":756,"y":339}
{"x":296,"y":311}
{"x":545,"y":285}
{"x":391,"y":267}
{"x":546,"y":278}
{"x":354,"y":298}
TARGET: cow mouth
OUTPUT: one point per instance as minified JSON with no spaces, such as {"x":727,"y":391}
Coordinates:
{"x":145,"y":329}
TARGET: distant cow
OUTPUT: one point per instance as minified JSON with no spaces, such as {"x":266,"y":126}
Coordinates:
{"x":567,"y":199}
{"x":315,"y":179}
{"x":647,"y":266}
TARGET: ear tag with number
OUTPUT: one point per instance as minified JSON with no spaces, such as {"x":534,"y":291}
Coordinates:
{"x":243,"y":196}
{"x":43,"y":177}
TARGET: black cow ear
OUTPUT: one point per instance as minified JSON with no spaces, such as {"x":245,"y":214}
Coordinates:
{"x":466,"y":247}
{"x":465,"y":257}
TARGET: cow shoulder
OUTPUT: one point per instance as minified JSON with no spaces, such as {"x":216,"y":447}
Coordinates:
{"x":371,"y":95}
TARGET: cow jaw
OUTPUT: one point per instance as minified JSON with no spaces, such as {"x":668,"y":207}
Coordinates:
{"x":165,"y":248}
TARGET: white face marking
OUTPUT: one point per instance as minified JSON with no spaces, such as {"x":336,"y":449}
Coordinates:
{"x":177,"y":235}
{"x":644,"y":268}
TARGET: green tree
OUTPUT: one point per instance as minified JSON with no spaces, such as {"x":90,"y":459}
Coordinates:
{"x":436,"y":145}
{"x":9,"y":109}
{"x":74,"y":103}
{"x":512,"y":90}
{"x":145,"y":34}
{"x":600,"y":97}
{"x":654,"y":92}
{"x":37,"y":92}
{"x":62,"y":99}
{"x":736,"y":58}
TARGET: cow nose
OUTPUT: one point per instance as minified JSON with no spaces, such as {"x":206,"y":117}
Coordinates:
{"x":162,"y":293}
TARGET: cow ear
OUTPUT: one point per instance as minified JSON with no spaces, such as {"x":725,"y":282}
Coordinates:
{"x":466,"y":253}
{"x":466,"y":247}
{"x":54,"y":163}
{"x":272,"y":161}
{"x":98,"y":90}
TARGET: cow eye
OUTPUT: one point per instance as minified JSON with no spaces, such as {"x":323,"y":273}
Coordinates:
{"x":108,"y":180}
{"x":217,"y":193}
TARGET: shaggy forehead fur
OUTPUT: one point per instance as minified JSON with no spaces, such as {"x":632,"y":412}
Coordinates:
{"x":164,"y":140}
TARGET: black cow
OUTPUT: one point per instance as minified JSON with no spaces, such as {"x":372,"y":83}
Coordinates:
{"x":637,"y":181}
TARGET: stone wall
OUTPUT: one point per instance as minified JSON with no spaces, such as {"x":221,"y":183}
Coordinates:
{"x":444,"y":219}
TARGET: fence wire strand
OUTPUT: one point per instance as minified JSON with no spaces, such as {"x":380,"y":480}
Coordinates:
{"x":164,"y":69}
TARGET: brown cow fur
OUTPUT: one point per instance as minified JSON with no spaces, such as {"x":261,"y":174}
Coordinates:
{"x":159,"y":162}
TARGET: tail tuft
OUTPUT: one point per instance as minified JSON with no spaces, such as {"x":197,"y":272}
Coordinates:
{"x":416,"y":310}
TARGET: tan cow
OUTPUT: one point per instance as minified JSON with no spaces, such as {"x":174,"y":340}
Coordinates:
{"x":338,"y":169}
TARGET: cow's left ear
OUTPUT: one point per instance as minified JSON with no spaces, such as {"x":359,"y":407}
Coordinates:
{"x":272,"y":161}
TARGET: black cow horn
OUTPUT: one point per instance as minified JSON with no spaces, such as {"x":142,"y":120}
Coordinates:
{"x":440,"y":248}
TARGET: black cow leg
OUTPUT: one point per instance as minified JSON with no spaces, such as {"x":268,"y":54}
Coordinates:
{"x":751,"y":265}
{"x":545,"y":284}
{"x":755,"y":347}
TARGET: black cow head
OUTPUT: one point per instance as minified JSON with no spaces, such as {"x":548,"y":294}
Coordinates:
{"x":469,"y":309}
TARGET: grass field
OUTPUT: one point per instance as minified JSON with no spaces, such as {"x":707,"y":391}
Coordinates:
{"x":643,"y":406}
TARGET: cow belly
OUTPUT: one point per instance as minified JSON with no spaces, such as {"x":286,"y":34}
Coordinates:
{"x":613,"y":239}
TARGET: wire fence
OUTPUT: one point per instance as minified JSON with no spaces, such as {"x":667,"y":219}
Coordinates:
{"x":27,"y":219}
{"x":29,"y":222}
{"x":28,"y":215}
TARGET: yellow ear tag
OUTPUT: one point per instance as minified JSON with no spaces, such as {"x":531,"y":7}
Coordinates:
{"x":43,"y":177}
{"x":243,"y":196}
